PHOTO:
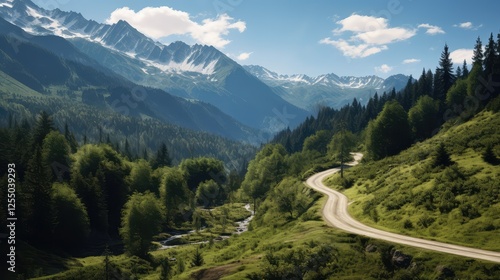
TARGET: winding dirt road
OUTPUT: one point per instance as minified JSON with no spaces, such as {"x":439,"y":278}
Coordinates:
{"x":336,"y":214}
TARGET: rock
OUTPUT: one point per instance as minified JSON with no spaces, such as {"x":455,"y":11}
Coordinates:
{"x":370,"y":248}
{"x":401,"y":260}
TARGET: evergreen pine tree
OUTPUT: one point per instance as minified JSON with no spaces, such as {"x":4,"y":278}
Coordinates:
{"x":43,"y":126}
{"x":39,"y":186}
{"x":70,"y":137}
{"x":127,"y":151}
{"x":465,"y":71}
{"x":458,"y":73}
{"x":496,"y":69}
{"x":442,"y":157}
{"x":446,"y":78}
{"x":197,"y":258}
{"x":490,"y":56}
{"x":477,"y":57}
{"x":437,"y":84}
{"x":489,"y":156}
{"x":162,"y":157}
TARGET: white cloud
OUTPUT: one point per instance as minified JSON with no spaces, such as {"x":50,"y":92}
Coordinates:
{"x":431,"y":29}
{"x":411,"y":60}
{"x":386,"y":36}
{"x":353,"y":51}
{"x":384,"y":68}
{"x":159,"y":22}
{"x":358,"y":23}
{"x":243,"y":56}
{"x":458,"y":56}
{"x":465,"y":25}
{"x":368,"y":35}
{"x":468,"y":25}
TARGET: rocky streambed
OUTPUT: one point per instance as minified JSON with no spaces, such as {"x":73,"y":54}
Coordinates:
{"x":175,"y":240}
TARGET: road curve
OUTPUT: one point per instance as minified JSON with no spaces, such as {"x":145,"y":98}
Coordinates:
{"x":336,"y":214}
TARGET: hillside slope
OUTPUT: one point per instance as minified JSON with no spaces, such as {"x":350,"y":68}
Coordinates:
{"x":458,"y":203}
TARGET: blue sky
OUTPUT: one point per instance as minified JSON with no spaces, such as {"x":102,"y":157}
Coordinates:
{"x":344,"y":37}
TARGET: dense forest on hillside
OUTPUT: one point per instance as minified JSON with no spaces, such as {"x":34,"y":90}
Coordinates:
{"x":144,"y":136}
{"x":432,"y":99}
{"x":72,"y":197}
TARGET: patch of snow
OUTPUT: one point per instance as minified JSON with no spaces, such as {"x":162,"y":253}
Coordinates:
{"x":34,"y":13}
{"x":184,"y":66}
{"x":8,"y":4}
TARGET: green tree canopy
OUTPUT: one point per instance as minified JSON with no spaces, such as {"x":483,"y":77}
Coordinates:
{"x":265,"y":171}
{"x":55,"y":154}
{"x":208,"y":193}
{"x":447,"y":77}
{"x":71,"y":227}
{"x":110,"y":169}
{"x":198,"y":170}
{"x":162,"y":157}
{"x":140,"y":178}
{"x":389,"y":133}
{"x":457,"y":93}
{"x":174,"y":194}
{"x":141,"y":219}
{"x":317,"y":142}
{"x":422,"y":117}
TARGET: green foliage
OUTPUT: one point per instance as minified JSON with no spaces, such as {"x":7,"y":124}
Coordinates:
{"x":197,"y":259}
{"x":265,"y":171}
{"x":317,"y":142}
{"x":316,"y":262}
{"x":175,"y":196}
{"x":389,"y":133}
{"x":422,"y":117}
{"x":341,"y":145}
{"x":38,"y":189}
{"x":198,"y":170}
{"x":209,"y":193}
{"x":166,"y":269}
{"x":140,"y":178}
{"x":489,"y":156}
{"x":44,"y":125}
{"x":71,"y":223}
{"x":162,"y":157}
{"x":441,"y":157}
{"x":291,"y":196}
{"x":99,"y":177}
{"x":55,"y":153}
{"x":141,"y":220}
{"x":82,"y":120}
{"x":457,"y":93}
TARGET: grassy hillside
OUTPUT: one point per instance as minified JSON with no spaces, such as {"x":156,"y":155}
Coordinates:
{"x":279,"y":247}
{"x":458,"y":203}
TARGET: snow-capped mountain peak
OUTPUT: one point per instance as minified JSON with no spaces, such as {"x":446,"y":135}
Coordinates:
{"x":121,"y":36}
{"x":331,"y":79}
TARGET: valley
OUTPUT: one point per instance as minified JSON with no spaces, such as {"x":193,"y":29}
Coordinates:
{"x":154,"y":142}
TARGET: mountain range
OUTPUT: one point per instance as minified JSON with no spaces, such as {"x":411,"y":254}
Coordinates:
{"x":216,"y":93}
{"x":52,"y":66}
{"x":325,"y":90}
{"x":194,"y":72}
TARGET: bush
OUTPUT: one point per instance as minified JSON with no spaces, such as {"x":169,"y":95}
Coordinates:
{"x":407,"y":224}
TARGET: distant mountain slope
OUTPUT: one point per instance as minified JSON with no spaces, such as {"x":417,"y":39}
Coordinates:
{"x":325,"y":90}
{"x":196,"y":72}
{"x":29,"y":60}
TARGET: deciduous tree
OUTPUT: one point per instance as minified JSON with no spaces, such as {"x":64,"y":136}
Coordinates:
{"x":141,"y":219}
